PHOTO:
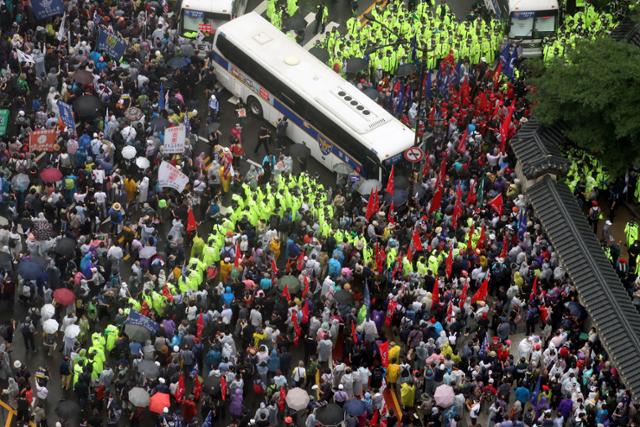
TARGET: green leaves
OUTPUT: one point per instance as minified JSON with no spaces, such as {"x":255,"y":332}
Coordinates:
{"x":595,"y":91}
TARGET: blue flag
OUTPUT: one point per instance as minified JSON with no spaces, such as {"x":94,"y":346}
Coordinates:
{"x":457,"y":77}
{"x":110,"y":44}
{"x":43,"y":9}
{"x":208,"y":422}
{"x":508,"y":59}
{"x":427,"y":85}
{"x":161,"y":98}
{"x":143,"y":321}
{"x":536,"y":392}
{"x":66,"y":115}
{"x":187,"y":124}
{"x":366,"y":296}
{"x":400,"y":104}
{"x":522,"y":223}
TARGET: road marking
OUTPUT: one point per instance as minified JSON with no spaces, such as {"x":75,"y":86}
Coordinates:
{"x":311,"y":17}
{"x":261,"y":8}
{"x":320,"y":36}
{"x":202,"y":138}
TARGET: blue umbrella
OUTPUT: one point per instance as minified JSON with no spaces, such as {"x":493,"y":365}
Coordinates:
{"x":355,"y":407}
{"x":31,"y":268}
{"x":178,"y":62}
{"x":20,"y":182}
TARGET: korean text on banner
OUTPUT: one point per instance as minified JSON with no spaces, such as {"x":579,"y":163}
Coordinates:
{"x":174,"y":140}
{"x":110,"y":44}
{"x":43,"y":9}
{"x":42,"y":140}
{"x":170,"y":176}
{"x":4,"y":121}
{"x":66,"y":115}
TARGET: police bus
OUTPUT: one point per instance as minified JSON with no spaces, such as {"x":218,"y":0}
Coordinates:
{"x":528,"y":21}
{"x":276,"y":77}
{"x":194,"y":13}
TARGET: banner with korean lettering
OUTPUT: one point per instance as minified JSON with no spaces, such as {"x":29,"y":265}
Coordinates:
{"x":110,"y":44}
{"x":42,"y":140}
{"x":172,"y":177}
{"x":43,"y":9}
{"x":66,"y":115}
{"x":174,"y":140}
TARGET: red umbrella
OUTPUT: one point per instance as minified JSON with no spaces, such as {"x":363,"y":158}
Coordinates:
{"x":51,"y":175}
{"x":64,"y":296}
{"x":158,"y":402}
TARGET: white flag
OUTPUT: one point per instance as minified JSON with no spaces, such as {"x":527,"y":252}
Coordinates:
{"x":60,"y":34}
{"x":25,"y":57}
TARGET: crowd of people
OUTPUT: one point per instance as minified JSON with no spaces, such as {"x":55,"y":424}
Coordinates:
{"x":268,"y":298}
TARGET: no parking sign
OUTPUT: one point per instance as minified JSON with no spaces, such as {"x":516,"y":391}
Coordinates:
{"x":413,"y":155}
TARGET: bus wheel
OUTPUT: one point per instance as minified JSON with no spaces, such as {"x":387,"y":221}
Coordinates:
{"x":255,"y":107}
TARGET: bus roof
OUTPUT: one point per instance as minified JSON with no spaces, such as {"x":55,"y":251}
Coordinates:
{"x":217,"y":6}
{"x":532,"y":5}
{"x":317,"y":83}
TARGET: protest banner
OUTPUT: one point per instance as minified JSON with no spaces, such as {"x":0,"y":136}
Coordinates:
{"x":42,"y":140}
{"x":174,"y":140}
{"x":66,"y":115}
{"x":172,"y":177}
{"x":43,"y":9}
{"x":110,"y":44}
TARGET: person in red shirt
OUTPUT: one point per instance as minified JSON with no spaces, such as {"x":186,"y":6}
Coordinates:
{"x":238,"y":152}
{"x":189,"y":409}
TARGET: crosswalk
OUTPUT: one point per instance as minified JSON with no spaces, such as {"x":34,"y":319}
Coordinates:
{"x":310,"y":19}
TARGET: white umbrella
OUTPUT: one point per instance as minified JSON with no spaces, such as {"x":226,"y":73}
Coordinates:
{"x":129,"y":152}
{"x":444,"y":395}
{"x":297,"y":399}
{"x":143,"y":162}
{"x":47,"y":311}
{"x":50,"y":326}
{"x":72,"y":331}
{"x":148,"y":252}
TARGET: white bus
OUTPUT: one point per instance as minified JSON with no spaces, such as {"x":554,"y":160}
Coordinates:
{"x":193,"y":13}
{"x":276,"y":77}
{"x":529,"y":21}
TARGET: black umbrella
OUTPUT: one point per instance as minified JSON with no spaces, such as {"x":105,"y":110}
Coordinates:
{"x":405,"y":70}
{"x":330,"y":415}
{"x":299,"y":151}
{"x":31,"y":268}
{"x":87,"y":106}
{"x":178,"y":62}
{"x":355,"y":65}
{"x":320,"y":53}
{"x":400,"y":197}
{"x":295,"y":23}
{"x":211,"y":383}
{"x":65,"y":247}
{"x":343,"y":297}
{"x":158,"y":124}
{"x":68,"y":409}
{"x":6,"y":263}
{"x":372,"y":93}
{"x":83,"y":77}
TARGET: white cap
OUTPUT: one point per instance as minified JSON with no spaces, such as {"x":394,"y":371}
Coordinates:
{"x":17,"y":364}
{"x":161,"y":380}
{"x":165,"y":410}
{"x":176,"y":348}
{"x":340,"y":387}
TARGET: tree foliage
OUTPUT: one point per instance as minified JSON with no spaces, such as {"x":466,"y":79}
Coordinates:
{"x":595,"y":92}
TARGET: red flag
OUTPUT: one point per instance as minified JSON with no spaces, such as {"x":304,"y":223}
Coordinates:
{"x":470,"y":244}
{"x":373,"y":204}
{"x":410,"y":254}
{"x":381,"y":258}
{"x":286,"y":294}
{"x":282,"y":399}
{"x":534,"y":288}
{"x":462,"y":144}
{"x":457,"y":207}
{"x":180,"y":389}
{"x":197,"y":387}
{"x":223,"y":387}
{"x":199,"y":326}
{"x":482,"y":238}
{"x":504,"y":128}
{"x":191,"y":221}
{"x":305,"y":312}
{"x":236,"y":261}
{"x":505,"y":246}
{"x":497,"y":204}
{"x":390,"y":182}
{"x":472,"y":195}
{"x":436,"y":200}
{"x":167,"y":293}
{"x":482,"y":292}
{"x":443,"y":170}
{"x":391,"y":308}
{"x":450,"y":311}
{"x":305,"y":291}
{"x":374,"y":419}
{"x":354,"y":335}
{"x":449,"y":262}
{"x":300,"y":261}
{"x":426,"y":167}
{"x":274,"y":267}
{"x":463,"y":295}
{"x":392,"y":209}
{"x":383,"y":348}
{"x":296,"y":327}
{"x":435,"y":295}
{"x":496,"y":74}
{"x":415,"y":238}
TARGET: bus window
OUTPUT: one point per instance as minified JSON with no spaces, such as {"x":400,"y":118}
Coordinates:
{"x":521,"y":25}
{"x":545,"y":24}
{"x":191,"y":19}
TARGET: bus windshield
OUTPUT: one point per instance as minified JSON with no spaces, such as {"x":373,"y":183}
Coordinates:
{"x":532,"y":24}
{"x":191,"y":19}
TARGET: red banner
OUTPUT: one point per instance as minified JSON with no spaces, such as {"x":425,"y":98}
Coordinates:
{"x":42,"y":140}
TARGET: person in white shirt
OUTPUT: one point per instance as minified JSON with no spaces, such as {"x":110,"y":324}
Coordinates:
{"x":299,"y":374}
